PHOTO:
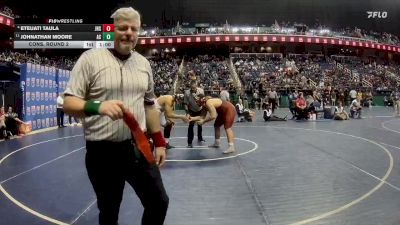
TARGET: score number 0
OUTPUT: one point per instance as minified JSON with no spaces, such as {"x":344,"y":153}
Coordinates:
{"x":108,"y":27}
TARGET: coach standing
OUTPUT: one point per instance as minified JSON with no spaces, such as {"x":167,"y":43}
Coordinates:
{"x":104,"y":84}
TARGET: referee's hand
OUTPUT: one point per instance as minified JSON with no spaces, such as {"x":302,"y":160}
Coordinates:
{"x":113,"y":109}
{"x":161,"y":155}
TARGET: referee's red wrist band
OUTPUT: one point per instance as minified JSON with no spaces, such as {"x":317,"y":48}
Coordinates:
{"x":158,"y":139}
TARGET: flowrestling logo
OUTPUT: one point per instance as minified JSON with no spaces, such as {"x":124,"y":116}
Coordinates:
{"x":377,"y":14}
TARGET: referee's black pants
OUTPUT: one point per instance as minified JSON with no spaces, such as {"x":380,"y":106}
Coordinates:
{"x":190,"y":134}
{"x":60,"y":117}
{"x":109,"y":165}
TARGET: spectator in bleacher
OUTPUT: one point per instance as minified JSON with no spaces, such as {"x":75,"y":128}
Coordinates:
{"x":224,"y":95}
{"x":164,"y":71}
{"x":245,"y":101}
{"x":192,"y":75}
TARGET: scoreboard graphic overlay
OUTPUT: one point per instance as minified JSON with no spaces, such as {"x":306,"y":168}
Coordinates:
{"x":60,"y":34}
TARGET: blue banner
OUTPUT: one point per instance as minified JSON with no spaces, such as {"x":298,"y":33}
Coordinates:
{"x":62,"y":79}
{"x":39,"y":88}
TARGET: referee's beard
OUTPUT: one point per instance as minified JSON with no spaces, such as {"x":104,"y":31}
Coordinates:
{"x":125,"y":46}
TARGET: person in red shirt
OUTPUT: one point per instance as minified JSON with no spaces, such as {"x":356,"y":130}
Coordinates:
{"x":301,"y":107}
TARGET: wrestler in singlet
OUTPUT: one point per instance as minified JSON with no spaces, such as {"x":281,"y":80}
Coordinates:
{"x":226,"y":114}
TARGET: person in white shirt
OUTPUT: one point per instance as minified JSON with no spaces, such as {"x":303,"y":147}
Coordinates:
{"x":340,"y":113}
{"x":273,"y":99}
{"x":224,"y":95}
{"x":239,"y":110}
{"x":353,"y":94}
{"x":256,"y":100}
{"x":396,"y":101}
{"x":267,"y":115}
{"x":3,"y":130}
{"x":60,"y":111}
{"x":355,"y":108}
